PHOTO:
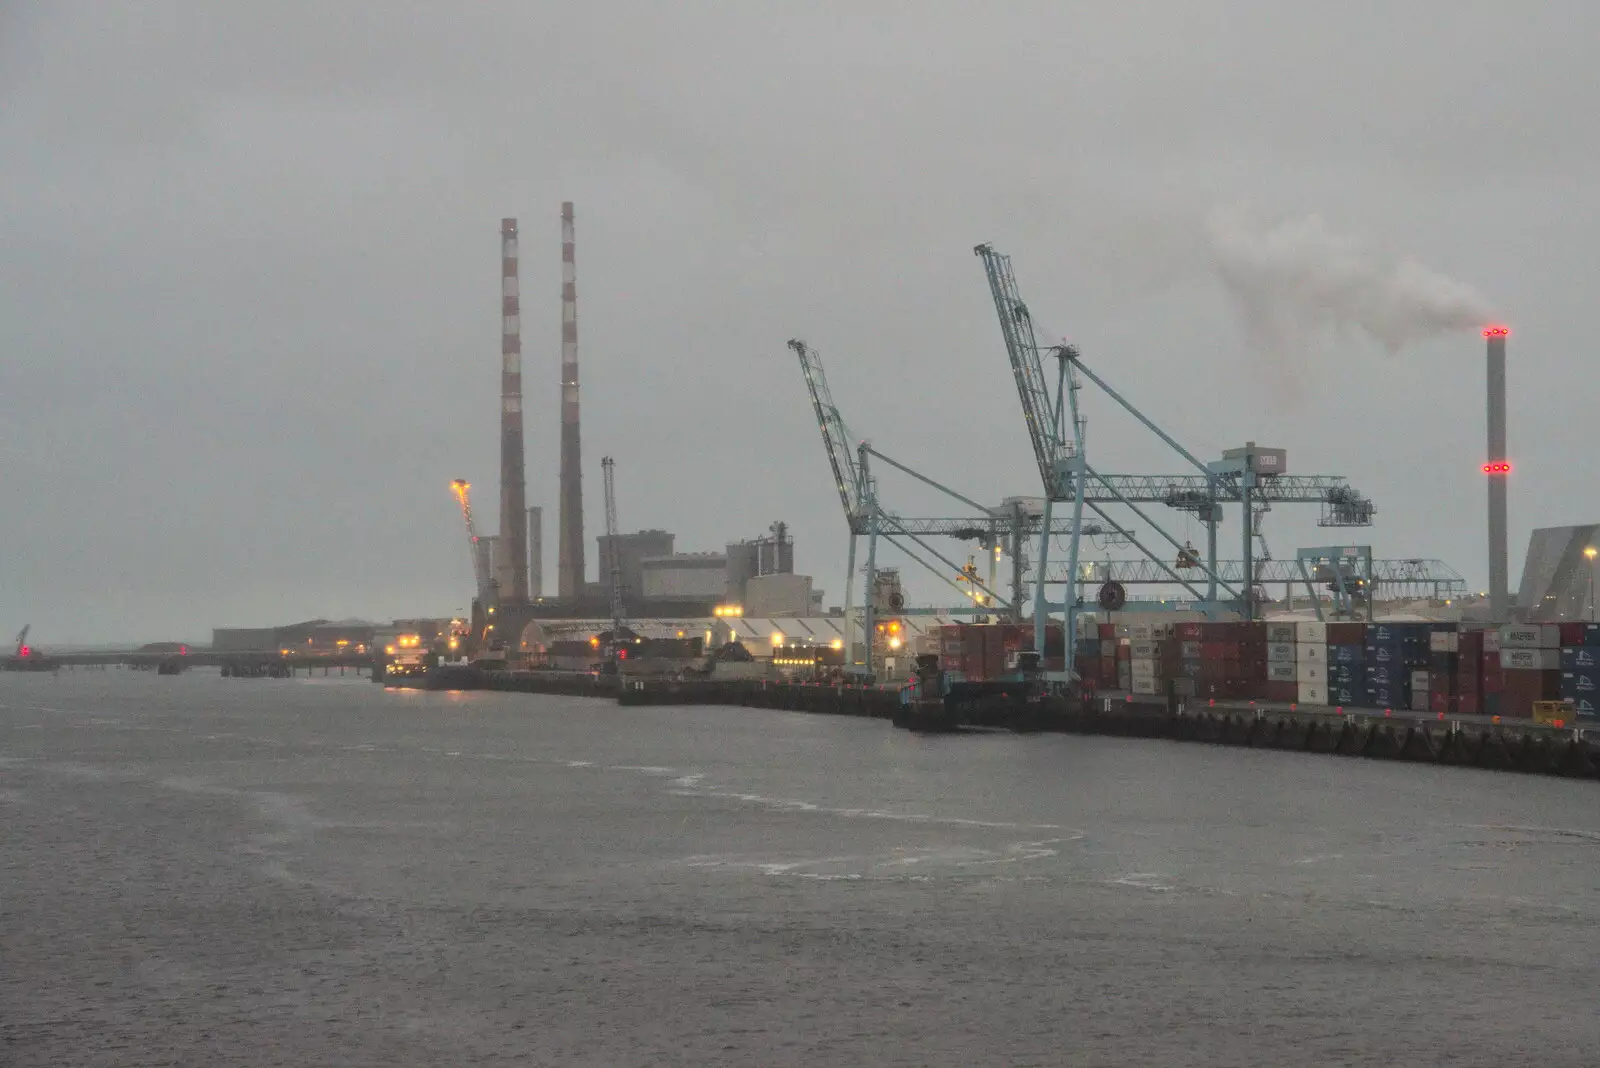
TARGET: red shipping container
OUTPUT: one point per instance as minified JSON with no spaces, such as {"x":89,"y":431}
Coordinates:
{"x":1441,"y":682}
{"x":1124,"y":652}
{"x":1574,"y":633}
{"x":1471,"y":641}
{"x":1219,"y":650}
{"x":1347,"y":634}
{"x":1494,"y":680}
{"x":1187,"y":632}
{"x":1466,"y":683}
{"x":994,"y":654}
{"x":1283,"y":692}
{"x":1443,"y":702}
{"x":1108,"y":632}
{"x":1470,"y":704}
{"x":1253,"y":667}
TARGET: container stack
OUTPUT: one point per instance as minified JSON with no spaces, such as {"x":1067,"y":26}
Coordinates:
{"x":1580,"y":667}
{"x":1311,"y":663}
{"x":1252,"y":676}
{"x":1530,"y":659}
{"x":1146,"y":649}
{"x":1086,"y":653}
{"x":1182,"y":653}
{"x":1470,"y":661}
{"x":1107,"y":634}
{"x":1124,"y":660}
{"x":952,"y":647}
{"x":1347,"y":664}
{"x":1441,"y":683}
{"x":1394,"y":651}
{"x":1282,"y":682}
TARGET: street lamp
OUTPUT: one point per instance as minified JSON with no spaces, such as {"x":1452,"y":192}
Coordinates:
{"x":1591,"y":552}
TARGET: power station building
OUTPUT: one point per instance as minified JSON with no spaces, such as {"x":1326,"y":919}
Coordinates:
{"x":1558,"y":576}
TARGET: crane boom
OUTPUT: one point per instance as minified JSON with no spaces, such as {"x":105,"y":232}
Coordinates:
{"x":480,"y":567}
{"x":835,"y":436}
{"x":1050,"y":446}
{"x":608,"y":467}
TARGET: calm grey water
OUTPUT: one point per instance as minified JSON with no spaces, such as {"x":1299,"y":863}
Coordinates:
{"x":207,"y":871}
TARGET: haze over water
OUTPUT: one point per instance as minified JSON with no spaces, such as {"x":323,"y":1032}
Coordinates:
{"x":210,"y":871}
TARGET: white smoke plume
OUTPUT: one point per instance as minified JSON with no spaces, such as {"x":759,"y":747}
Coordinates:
{"x":1298,"y":284}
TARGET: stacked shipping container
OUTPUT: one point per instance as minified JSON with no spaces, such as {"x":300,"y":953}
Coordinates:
{"x":1434,"y":667}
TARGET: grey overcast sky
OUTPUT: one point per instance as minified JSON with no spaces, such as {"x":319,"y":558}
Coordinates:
{"x":249,"y":269}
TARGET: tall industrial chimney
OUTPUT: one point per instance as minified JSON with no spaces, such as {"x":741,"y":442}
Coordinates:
{"x":513,"y":538}
{"x":535,"y":552}
{"x":1498,"y":468}
{"x":570,"y":536}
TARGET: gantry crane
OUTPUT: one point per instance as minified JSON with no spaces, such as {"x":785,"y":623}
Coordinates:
{"x":480,"y":563}
{"x":996,"y":528}
{"x":614,"y":651}
{"x":1056,"y":428}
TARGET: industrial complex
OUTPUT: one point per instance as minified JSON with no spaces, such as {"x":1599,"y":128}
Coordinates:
{"x":1336,"y":622}
{"x":1007,"y":564}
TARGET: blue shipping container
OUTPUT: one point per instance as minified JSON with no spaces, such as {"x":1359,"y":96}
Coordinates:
{"x":1387,"y":674}
{"x":1394,"y":653}
{"x":1584,"y":706}
{"x":1346,"y":675}
{"x":1346,"y":695}
{"x":1580,"y":658}
{"x":1390,"y":633}
{"x":1388,"y":696}
{"x":1580,"y":683}
{"x":1346,"y":654}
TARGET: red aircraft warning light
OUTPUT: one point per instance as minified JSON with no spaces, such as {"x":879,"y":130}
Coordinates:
{"x":1497,"y":469}
{"x":1497,"y":331}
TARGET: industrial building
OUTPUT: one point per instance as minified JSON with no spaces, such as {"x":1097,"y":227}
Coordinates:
{"x":653,"y":577}
{"x":1558,"y":576}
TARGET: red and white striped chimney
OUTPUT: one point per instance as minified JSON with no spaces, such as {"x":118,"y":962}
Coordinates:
{"x":569,"y":575}
{"x":513,"y":539}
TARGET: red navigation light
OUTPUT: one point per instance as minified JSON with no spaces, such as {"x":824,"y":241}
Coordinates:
{"x":1496,"y":331}
{"x":183,"y":650}
{"x":25,"y":651}
{"x":1497,"y":469}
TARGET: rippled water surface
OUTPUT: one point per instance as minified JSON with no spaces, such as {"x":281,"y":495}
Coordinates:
{"x":211,"y":871}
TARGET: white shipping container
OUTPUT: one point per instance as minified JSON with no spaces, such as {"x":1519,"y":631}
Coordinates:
{"x":1145,"y":649}
{"x":1491,"y":641}
{"x":1189,"y":650}
{"x":1282,"y":672}
{"x":1530,"y":659}
{"x":1311,"y":653}
{"x":1145,"y":669}
{"x":1419,"y":700}
{"x":1313,"y":693}
{"x":1280,"y":632}
{"x":1146,"y":686}
{"x":1530,"y":636}
{"x":1419,"y":682}
{"x":1281,"y":653}
{"x":1444,"y":641}
{"x":1309,"y":672}
{"x":1311,"y":632}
